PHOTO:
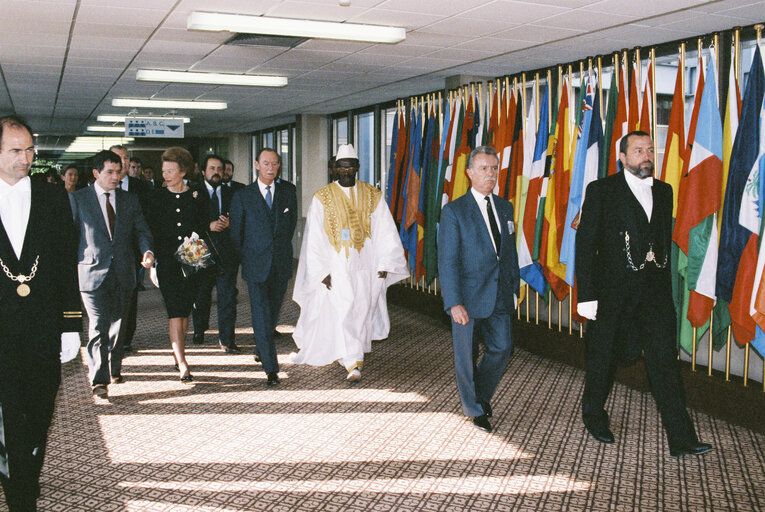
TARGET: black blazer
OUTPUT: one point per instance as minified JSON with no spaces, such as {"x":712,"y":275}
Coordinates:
{"x":604,"y":271}
{"x":225,"y":251}
{"x":53,"y":305}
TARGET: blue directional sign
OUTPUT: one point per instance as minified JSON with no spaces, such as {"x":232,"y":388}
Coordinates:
{"x":159,"y":127}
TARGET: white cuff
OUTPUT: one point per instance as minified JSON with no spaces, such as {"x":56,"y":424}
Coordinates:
{"x":588,"y":310}
{"x":70,"y":346}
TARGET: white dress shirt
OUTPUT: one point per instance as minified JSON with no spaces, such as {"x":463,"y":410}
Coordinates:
{"x":481,"y":200}
{"x":642,"y":189}
{"x":124,"y":183}
{"x":262,"y":188}
{"x":101,"y":194}
{"x":15,"y":203}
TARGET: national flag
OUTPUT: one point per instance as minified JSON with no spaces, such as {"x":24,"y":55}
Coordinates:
{"x":516,"y":158}
{"x":755,"y":192}
{"x":695,"y":230}
{"x":585,"y":170}
{"x":506,"y":145}
{"x":429,"y":168}
{"x":454,"y":143}
{"x":557,"y":196}
{"x":531,"y":271}
{"x":529,"y":140}
{"x":730,"y":127}
{"x":610,"y":128}
{"x":392,"y":159}
{"x":738,"y":252}
{"x":460,"y":183}
{"x":674,"y":147}
{"x":646,"y":110}
{"x":633,"y":118}
{"x":621,"y":122}
{"x":410,"y":196}
{"x":435,"y":191}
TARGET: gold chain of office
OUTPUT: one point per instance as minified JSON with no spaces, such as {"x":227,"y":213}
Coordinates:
{"x":23,"y":288}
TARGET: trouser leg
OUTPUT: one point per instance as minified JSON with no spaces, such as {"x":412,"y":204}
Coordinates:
{"x":200,"y":313}
{"x":226,"y":295}
{"x":599,"y":378}
{"x":262,"y":327}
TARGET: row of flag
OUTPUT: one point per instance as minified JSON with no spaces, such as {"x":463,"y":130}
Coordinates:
{"x":551,"y":148}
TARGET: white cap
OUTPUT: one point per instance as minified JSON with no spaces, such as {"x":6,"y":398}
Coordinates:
{"x":346,"y":151}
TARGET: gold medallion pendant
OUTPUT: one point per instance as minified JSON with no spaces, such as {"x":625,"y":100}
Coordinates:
{"x":23,"y":290}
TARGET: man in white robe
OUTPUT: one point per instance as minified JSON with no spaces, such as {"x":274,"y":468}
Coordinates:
{"x":351,"y":253}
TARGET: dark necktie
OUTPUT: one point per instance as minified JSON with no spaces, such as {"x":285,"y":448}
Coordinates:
{"x":110,"y":214}
{"x":269,"y":197}
{"x":493,"y":225}
{"x":214,"y":204}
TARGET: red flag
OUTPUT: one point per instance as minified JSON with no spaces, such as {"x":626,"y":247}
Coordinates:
{"x":633,"y":121}
{"x":620,"y":123}
{"x":646,"y":121}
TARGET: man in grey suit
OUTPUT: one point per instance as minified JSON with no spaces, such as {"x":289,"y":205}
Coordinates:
{"x":480,"y":279}
{"x":109,"y":221}
{"x":262,"y":221}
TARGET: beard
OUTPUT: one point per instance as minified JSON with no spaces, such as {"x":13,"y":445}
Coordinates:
{"x":643,"y":170}
{"x":346,"y":180}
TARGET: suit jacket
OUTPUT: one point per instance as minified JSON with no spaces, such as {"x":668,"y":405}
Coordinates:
{"x":142,"y":188}
{"x":96,"y":251}
{"x":224,"y":246}
{"x":235,"y":185}
{"x":610,"y":213}
{"x":468,"y":267}
{"x":53,"y":305}
{"x":263,"y":237}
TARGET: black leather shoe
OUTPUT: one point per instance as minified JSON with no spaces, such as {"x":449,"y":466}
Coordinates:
{"x":230,"y":349}
{"x":690,"y":449}
{"x":199,"y":339}
{"x":482,"y":423}
{"x":486,"y":409}
{"x":602,"y":434}
{"x":187,"y":378}
{"x":273,"y":379}
{"x":117,"y":379}
{"x":100,"y":390}
{"x":257,"y":358}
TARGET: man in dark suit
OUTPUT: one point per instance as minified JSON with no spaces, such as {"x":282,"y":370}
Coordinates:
{"x":228,"y":265}
{"x":110,"y":223}
{"x":228,"y":176}
{"x":480,"y":279}
{"x":623,"y":247}
{"x":263,"y":218}
{"x":142,"y":189}
{"x":39,"y":311}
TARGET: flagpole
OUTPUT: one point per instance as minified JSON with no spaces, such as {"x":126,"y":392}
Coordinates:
{"x":736,"y":36}
{"x":600,"y":87}
{"x":638,"y":73}
{"x":652,"y":76}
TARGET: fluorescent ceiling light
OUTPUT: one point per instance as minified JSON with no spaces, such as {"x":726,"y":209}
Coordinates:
{"x":109,"y":118}
{"x":174,"y":104}
{"x":216,"y":22}
{"x":91,"y":144}
{"x":94,"y":128}
{"x":187,"y":77}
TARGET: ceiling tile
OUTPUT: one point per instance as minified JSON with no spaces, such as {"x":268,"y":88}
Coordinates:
{"x":459,"y":25}
{"x":314,"y":11}
{"x":514,"y":12}
{"x":441,"y":7}
{"x":585,"y":20}
{"x":407,"y":20}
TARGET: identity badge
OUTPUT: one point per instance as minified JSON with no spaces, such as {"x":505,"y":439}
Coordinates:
{"x":345,"y":235}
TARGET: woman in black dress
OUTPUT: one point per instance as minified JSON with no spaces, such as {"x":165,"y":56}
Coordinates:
{"x":175,"y":212}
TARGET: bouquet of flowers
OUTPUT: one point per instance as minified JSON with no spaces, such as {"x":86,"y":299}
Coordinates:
{"x":194,"y":255}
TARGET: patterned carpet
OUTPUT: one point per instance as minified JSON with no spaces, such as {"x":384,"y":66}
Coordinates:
{"x":394,"y":442}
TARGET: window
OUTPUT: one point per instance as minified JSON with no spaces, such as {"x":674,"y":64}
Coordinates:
{"x":364,"y":136}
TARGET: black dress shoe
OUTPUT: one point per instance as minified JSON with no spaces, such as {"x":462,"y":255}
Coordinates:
{"x":482,"y":423}
{"x":198,"y":339}
{"x":486,"y":409}
{"x":230,"y":349}
{"x":187,"y":378}
{"x":100,"y":390}
{"x":273,"y":379}
{"x":127,"y":348}
{"x":257,"y":358}
{"x":602,"y":434}
{"x":117,"y":379}
{"x":690,"y":449}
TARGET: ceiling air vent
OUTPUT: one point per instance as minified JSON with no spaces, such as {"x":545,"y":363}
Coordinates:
{"x":265,"y":40}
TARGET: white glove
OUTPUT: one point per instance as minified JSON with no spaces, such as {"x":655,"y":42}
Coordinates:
{"x":70,"y":346}
{"x":588,"y":310}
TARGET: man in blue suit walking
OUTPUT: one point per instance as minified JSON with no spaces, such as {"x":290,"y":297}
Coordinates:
{"x":263,"y":218}
{"x":480,"y":280}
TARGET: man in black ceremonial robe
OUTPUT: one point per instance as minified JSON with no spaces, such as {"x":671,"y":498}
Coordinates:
{"x":39,"y":300}
{"x":623,"y":246}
